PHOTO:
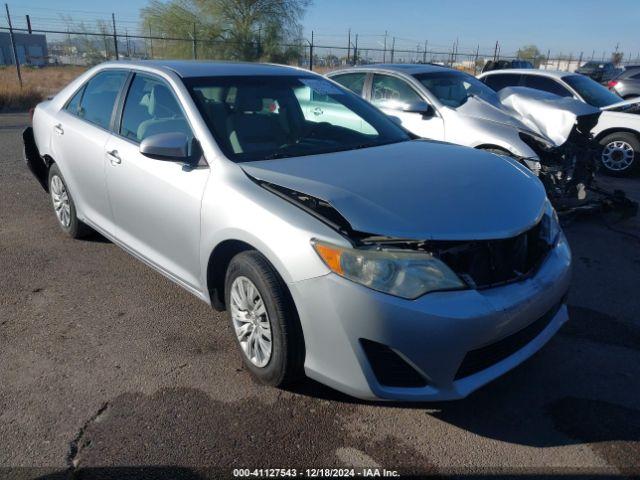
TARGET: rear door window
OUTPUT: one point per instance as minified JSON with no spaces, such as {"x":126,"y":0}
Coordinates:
{"x":546,"y":84}
{"x":352,"y":81}
{"x":100,"y":97}
{"x":502,"y":80}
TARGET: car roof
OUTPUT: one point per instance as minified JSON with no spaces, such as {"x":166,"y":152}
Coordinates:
{"x":531,"y":71}
{"x":408,"y":68}
{"x":195,"y":68}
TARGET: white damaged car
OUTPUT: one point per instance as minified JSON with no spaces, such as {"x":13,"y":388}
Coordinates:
{"x":618,"y":128}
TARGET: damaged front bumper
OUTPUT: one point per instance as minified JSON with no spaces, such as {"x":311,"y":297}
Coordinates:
{"x":441,"y":346}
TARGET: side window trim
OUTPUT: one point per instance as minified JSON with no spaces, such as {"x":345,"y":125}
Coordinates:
{"x":368,"y":85}
{"x":116,"y":118}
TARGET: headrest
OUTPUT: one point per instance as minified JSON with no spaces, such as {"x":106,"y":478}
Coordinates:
{"x":248,"y":100}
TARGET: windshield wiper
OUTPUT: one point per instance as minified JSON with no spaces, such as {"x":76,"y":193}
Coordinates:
{"x":274,"y":155}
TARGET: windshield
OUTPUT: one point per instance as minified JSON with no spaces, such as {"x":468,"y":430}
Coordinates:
{"x":266,"y":117}
{"x":591,"y":91}
{"x":454,"y":88}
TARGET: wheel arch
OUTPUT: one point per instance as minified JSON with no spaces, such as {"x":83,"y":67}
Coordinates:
{"x":492,"y":146}
{"x":612,"y":130}
{"x":217,"y":266}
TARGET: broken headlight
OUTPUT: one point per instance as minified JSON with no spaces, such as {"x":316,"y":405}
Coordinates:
{"x":403,"y":274}
{"x":550,"y":225}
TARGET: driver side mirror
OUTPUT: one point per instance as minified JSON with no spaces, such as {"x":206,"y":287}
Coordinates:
{"x":424,"y":108}
{"x":172,"y":147}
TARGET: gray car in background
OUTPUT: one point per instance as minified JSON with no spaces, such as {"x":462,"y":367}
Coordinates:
{"x":627,"y":83}
{"x":384,"y":266}
{"x":440,"y":103}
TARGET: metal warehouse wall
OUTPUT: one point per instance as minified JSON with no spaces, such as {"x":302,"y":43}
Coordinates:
{"x":31,"y":49}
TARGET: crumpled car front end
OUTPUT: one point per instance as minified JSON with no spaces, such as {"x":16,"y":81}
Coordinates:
{"x":569,"y":156}
{"x":444,"y":280}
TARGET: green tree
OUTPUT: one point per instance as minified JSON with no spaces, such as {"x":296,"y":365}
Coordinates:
{"x":616,"y":58}
{"x":229,"y":29}
{"x":531,"y":54}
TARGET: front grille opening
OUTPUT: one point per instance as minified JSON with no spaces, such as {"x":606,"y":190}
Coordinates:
{"x":482,"y":358}
{"x":485,"y":264}
{"x":390,"y":368}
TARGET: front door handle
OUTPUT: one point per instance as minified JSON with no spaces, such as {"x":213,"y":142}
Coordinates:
{"x":58,"y":129}
{"x":114,"y":158}
{"x":317,"y":111}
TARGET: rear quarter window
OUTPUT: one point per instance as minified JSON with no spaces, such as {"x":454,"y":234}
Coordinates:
{"x":100,"y":95}
{"x":546,"y":84}
{"x":352,"y":81}
{"x":499,"y":81}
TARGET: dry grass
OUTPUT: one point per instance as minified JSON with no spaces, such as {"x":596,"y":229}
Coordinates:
{"x":38,"y":83}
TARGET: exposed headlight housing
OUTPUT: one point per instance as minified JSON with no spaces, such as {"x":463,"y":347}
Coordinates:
{"x":403,"y":274}
{"x":550,"y":225}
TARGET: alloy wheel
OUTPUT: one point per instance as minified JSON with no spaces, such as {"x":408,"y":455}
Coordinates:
{"x":61,"y":202}
{"x":618,"y":155}
{"x":251,"y":321}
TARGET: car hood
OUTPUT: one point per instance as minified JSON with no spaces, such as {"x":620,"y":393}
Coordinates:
{"x":417,"y":190}
{"x":486,"y":111}
{"x":623,"y":105}
{"x":547,"y":114}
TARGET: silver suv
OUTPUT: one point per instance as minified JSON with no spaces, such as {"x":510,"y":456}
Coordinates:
{"x":383,"y":266}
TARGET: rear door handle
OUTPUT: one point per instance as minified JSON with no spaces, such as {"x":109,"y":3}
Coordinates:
{"x":58,"y":129}
{"x":317,"y":111}
{"x":114,"y":158}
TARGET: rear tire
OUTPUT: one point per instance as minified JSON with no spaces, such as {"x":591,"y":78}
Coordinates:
{"x":262,"y":312}
{"x":64,"y":207}
{"x":620,"y":153}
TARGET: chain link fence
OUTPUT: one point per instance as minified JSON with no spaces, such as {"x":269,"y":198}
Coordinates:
{"x":26,"y":42}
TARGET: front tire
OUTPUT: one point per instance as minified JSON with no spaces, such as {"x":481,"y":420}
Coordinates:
{"x":264,"y":320}
{"x":64,"y":207}
{"x":620,"y":152}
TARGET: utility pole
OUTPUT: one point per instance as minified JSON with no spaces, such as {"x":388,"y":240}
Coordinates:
{"x":115,"y":35}
{"x":311,"y":52}
{"x":150,"y":41}
{"x":355,"y":51}
{"x":13,"y":45}
{"x":348,"y":45}
{"x":194,"y":41}
{"x":384,"y":52}
{"x":126,"y":41}
{"x":495,"y":52}
{"x":475,"y":60}
{"x":424,"y":54}
{"x":393,"y":48}
{"x":580,"y":60}
{"x":546,"y":65}
{"x":29,"y":24}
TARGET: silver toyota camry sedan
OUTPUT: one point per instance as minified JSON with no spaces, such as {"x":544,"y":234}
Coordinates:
{"x":385,"y":266}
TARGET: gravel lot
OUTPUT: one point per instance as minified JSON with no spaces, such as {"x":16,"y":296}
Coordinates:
{"x":109,"y":369}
